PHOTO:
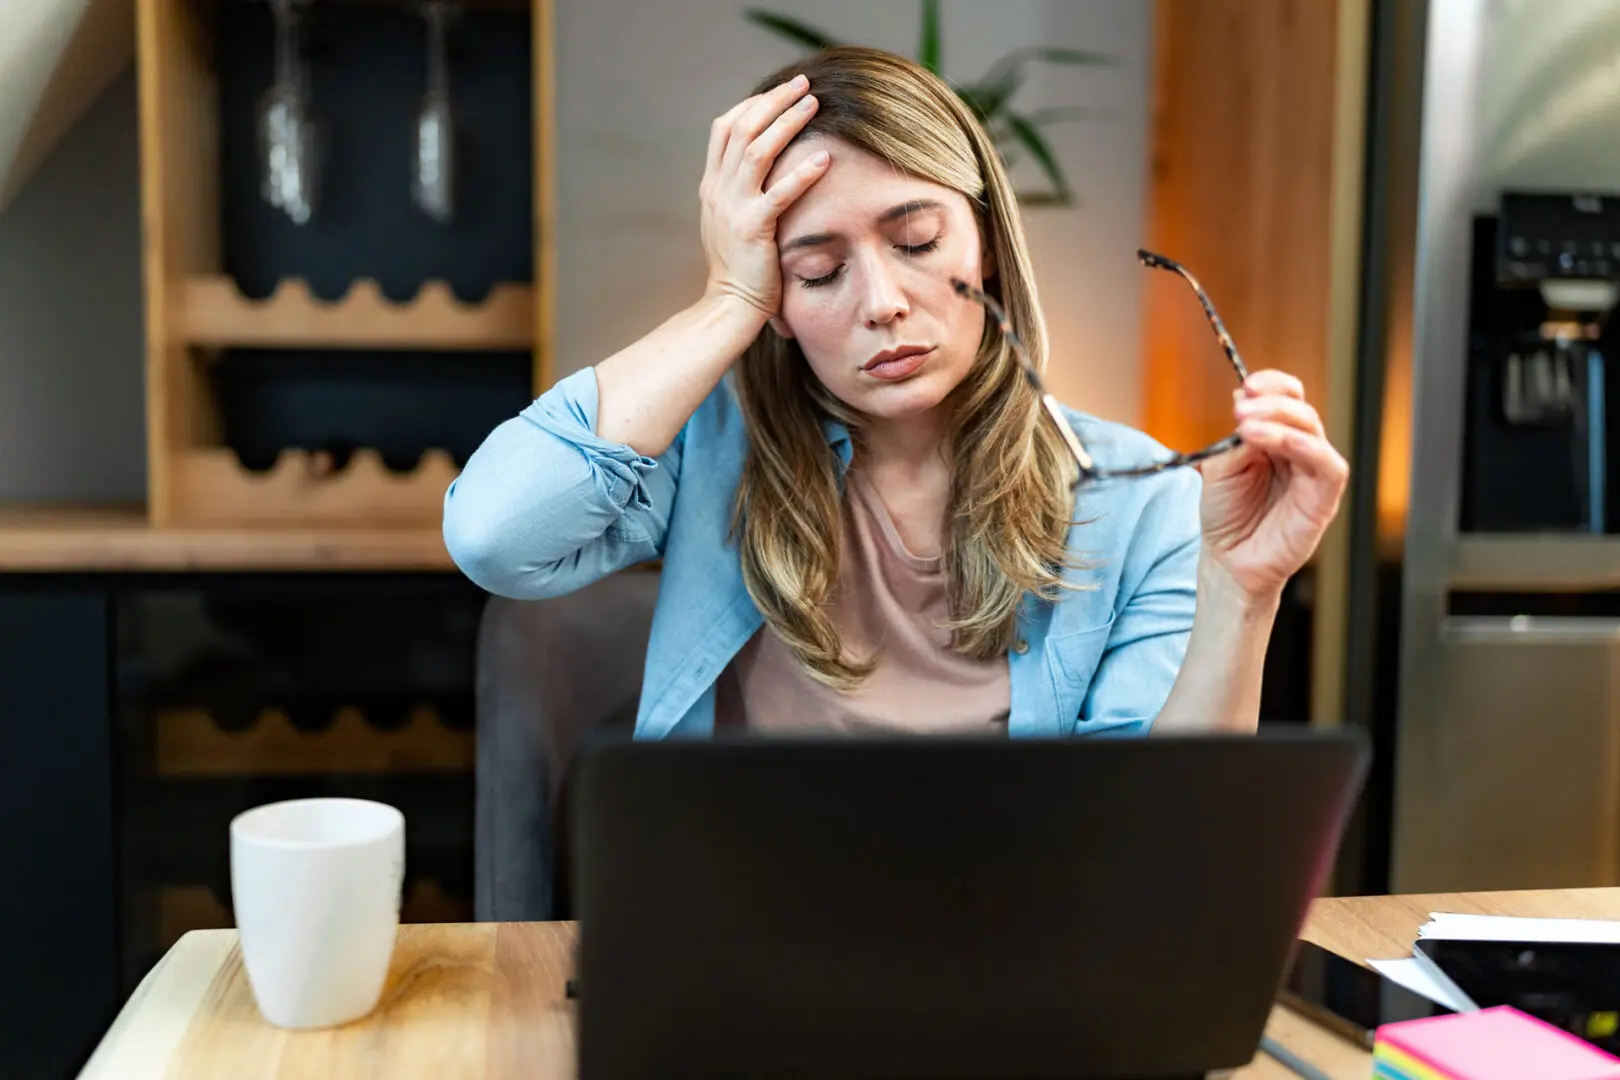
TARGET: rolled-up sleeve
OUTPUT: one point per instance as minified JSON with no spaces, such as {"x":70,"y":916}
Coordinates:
{"x":545,"y":505}
{"x":1153,"y":612}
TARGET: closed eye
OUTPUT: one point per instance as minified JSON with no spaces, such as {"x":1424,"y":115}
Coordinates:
{"x":832,"y":275}
{"x":825,"y":279}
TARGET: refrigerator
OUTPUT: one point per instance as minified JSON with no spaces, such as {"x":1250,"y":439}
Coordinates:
{"x":1502,"y":253}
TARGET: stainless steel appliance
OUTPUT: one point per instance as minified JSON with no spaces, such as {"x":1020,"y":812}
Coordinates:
{"x":1507,"y":769}
{"x":1543,"y":280}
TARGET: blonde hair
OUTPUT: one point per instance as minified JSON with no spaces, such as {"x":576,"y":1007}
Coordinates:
{"x":1012,"y":477}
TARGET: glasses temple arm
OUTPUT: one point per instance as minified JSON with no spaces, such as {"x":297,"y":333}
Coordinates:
{"x":1048,"y":402}
{"x":1081,"y":458}
{"x":1155,"y":261}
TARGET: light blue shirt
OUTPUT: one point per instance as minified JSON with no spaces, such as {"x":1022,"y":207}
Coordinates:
{"x":546,"y":506}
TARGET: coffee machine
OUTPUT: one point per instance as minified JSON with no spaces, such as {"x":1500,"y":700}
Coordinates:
{"x":1546,"y":275}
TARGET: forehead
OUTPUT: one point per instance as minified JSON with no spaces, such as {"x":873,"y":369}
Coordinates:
{"x":857,"y":187}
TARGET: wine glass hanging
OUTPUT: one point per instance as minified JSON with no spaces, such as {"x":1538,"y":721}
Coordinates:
{"x":289,"y":137}
{"x":433,"y":167}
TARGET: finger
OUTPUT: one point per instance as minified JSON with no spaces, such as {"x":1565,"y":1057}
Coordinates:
{"x":1284,"y":410}
{"x":1272,"y":381}
{"x":720,"y":132}
{"x":762,"y":153}
{"x":788,"y":188}
{"x":1309,"y":454}
{"x":745,"y":128}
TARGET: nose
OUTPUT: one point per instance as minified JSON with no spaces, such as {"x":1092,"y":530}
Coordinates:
{"x":882,"y":299}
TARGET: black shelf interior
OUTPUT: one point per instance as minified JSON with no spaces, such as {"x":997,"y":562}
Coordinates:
{"x":234,"y":648}
{"x":367,"y":74}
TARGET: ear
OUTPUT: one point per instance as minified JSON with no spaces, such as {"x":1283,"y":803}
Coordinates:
{"x":781,"y":327}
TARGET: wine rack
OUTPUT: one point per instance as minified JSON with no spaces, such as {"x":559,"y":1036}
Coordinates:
{"x":231,"y":694}
{"x":210,"y":310}
{"x":230,"y":281}
{"x":212,"y":487}
{"x":192,"y":742}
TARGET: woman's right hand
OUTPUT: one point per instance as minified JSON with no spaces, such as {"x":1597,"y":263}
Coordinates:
{"x":739,"y":212}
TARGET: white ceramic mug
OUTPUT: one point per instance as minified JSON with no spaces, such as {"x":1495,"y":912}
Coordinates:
{"x":316,"y":886}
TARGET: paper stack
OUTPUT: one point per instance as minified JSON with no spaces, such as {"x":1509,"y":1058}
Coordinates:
{"x":1456,"y":927}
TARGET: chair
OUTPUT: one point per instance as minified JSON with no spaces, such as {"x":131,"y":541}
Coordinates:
{"x":548,"y":673}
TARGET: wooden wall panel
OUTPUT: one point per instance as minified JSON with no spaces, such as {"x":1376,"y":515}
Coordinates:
{"x":1242,"y":179}
{"x":1257,"y":162}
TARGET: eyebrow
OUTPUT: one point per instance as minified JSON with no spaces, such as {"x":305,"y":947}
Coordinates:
{"x":911,"y":206}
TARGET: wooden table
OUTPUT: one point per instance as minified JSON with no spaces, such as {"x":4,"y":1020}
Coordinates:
{"x":486,"y":1001}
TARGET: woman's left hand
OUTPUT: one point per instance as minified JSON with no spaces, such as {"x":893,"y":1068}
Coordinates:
{"x":1266,"y":504}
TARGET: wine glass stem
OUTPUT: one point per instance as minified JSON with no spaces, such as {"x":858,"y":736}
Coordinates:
{"x":436,"y":51}
{"x":284,"y":42}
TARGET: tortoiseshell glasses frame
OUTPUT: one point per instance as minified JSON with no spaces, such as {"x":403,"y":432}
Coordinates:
{"x":1088,"y":467}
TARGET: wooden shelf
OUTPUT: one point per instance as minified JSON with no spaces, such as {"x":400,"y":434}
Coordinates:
{"x":203,"y":509}
{"x":208,"y":309}
{"x":119,"y":539}
{"x":188,"y":743}
{"x":211,"y":487}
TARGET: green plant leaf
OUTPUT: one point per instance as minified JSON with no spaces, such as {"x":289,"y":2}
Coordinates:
{"x":991,"y":94}
{"x":1059,"y":113}
{"x":1046,"y":198}
{"x":928,"y":49}
{"x":1072,"y":56}
{"x":1011,"y":65}
{"x":988,"y":98}
{"x":970,"y":98}
{"x":790,"y":28}
{"x":1035,"y":143}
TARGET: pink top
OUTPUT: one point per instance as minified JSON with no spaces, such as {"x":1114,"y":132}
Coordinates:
{"x":890,"y":599}
{"x":1499,"y":1043}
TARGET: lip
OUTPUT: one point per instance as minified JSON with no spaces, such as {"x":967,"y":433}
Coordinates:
{"x":897,"y":363}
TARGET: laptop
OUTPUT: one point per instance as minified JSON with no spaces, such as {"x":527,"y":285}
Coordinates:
{"x":957,"y":909}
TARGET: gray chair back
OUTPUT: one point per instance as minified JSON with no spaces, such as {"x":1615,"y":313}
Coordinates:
{"x":548,"y":673}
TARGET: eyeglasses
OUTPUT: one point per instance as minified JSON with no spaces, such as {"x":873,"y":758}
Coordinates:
{"x":1088,"y":467}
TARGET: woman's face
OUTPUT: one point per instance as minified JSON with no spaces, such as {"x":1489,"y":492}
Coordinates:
{"x":867,"y":258}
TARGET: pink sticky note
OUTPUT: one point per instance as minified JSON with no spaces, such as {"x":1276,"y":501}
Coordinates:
{"x":1499,"y":1043}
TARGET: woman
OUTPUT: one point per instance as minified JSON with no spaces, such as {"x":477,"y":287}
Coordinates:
{"x":872,"y":526}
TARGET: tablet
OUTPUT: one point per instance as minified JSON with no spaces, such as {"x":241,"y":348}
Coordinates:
{"x":1573,"y":986}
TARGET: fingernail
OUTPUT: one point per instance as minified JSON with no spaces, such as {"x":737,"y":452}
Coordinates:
{"x":819,"y":157}
{"x":807,"y":103}
{"x":800,"y":82}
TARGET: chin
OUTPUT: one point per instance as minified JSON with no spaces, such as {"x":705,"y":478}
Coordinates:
{"x":899,"y":401}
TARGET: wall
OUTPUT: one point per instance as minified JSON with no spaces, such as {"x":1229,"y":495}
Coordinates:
{"x":70,"y":318}
{"x":639,"y":84}
{"x":57,"y":57}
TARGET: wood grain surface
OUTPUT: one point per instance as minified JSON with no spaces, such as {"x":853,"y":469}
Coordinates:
{"x":486,"y":1001}
{"x":81,"y":539}
{"x":1242,"y":194}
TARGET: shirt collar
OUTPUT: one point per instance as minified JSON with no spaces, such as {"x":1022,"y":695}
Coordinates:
{"x":838,"y":438}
